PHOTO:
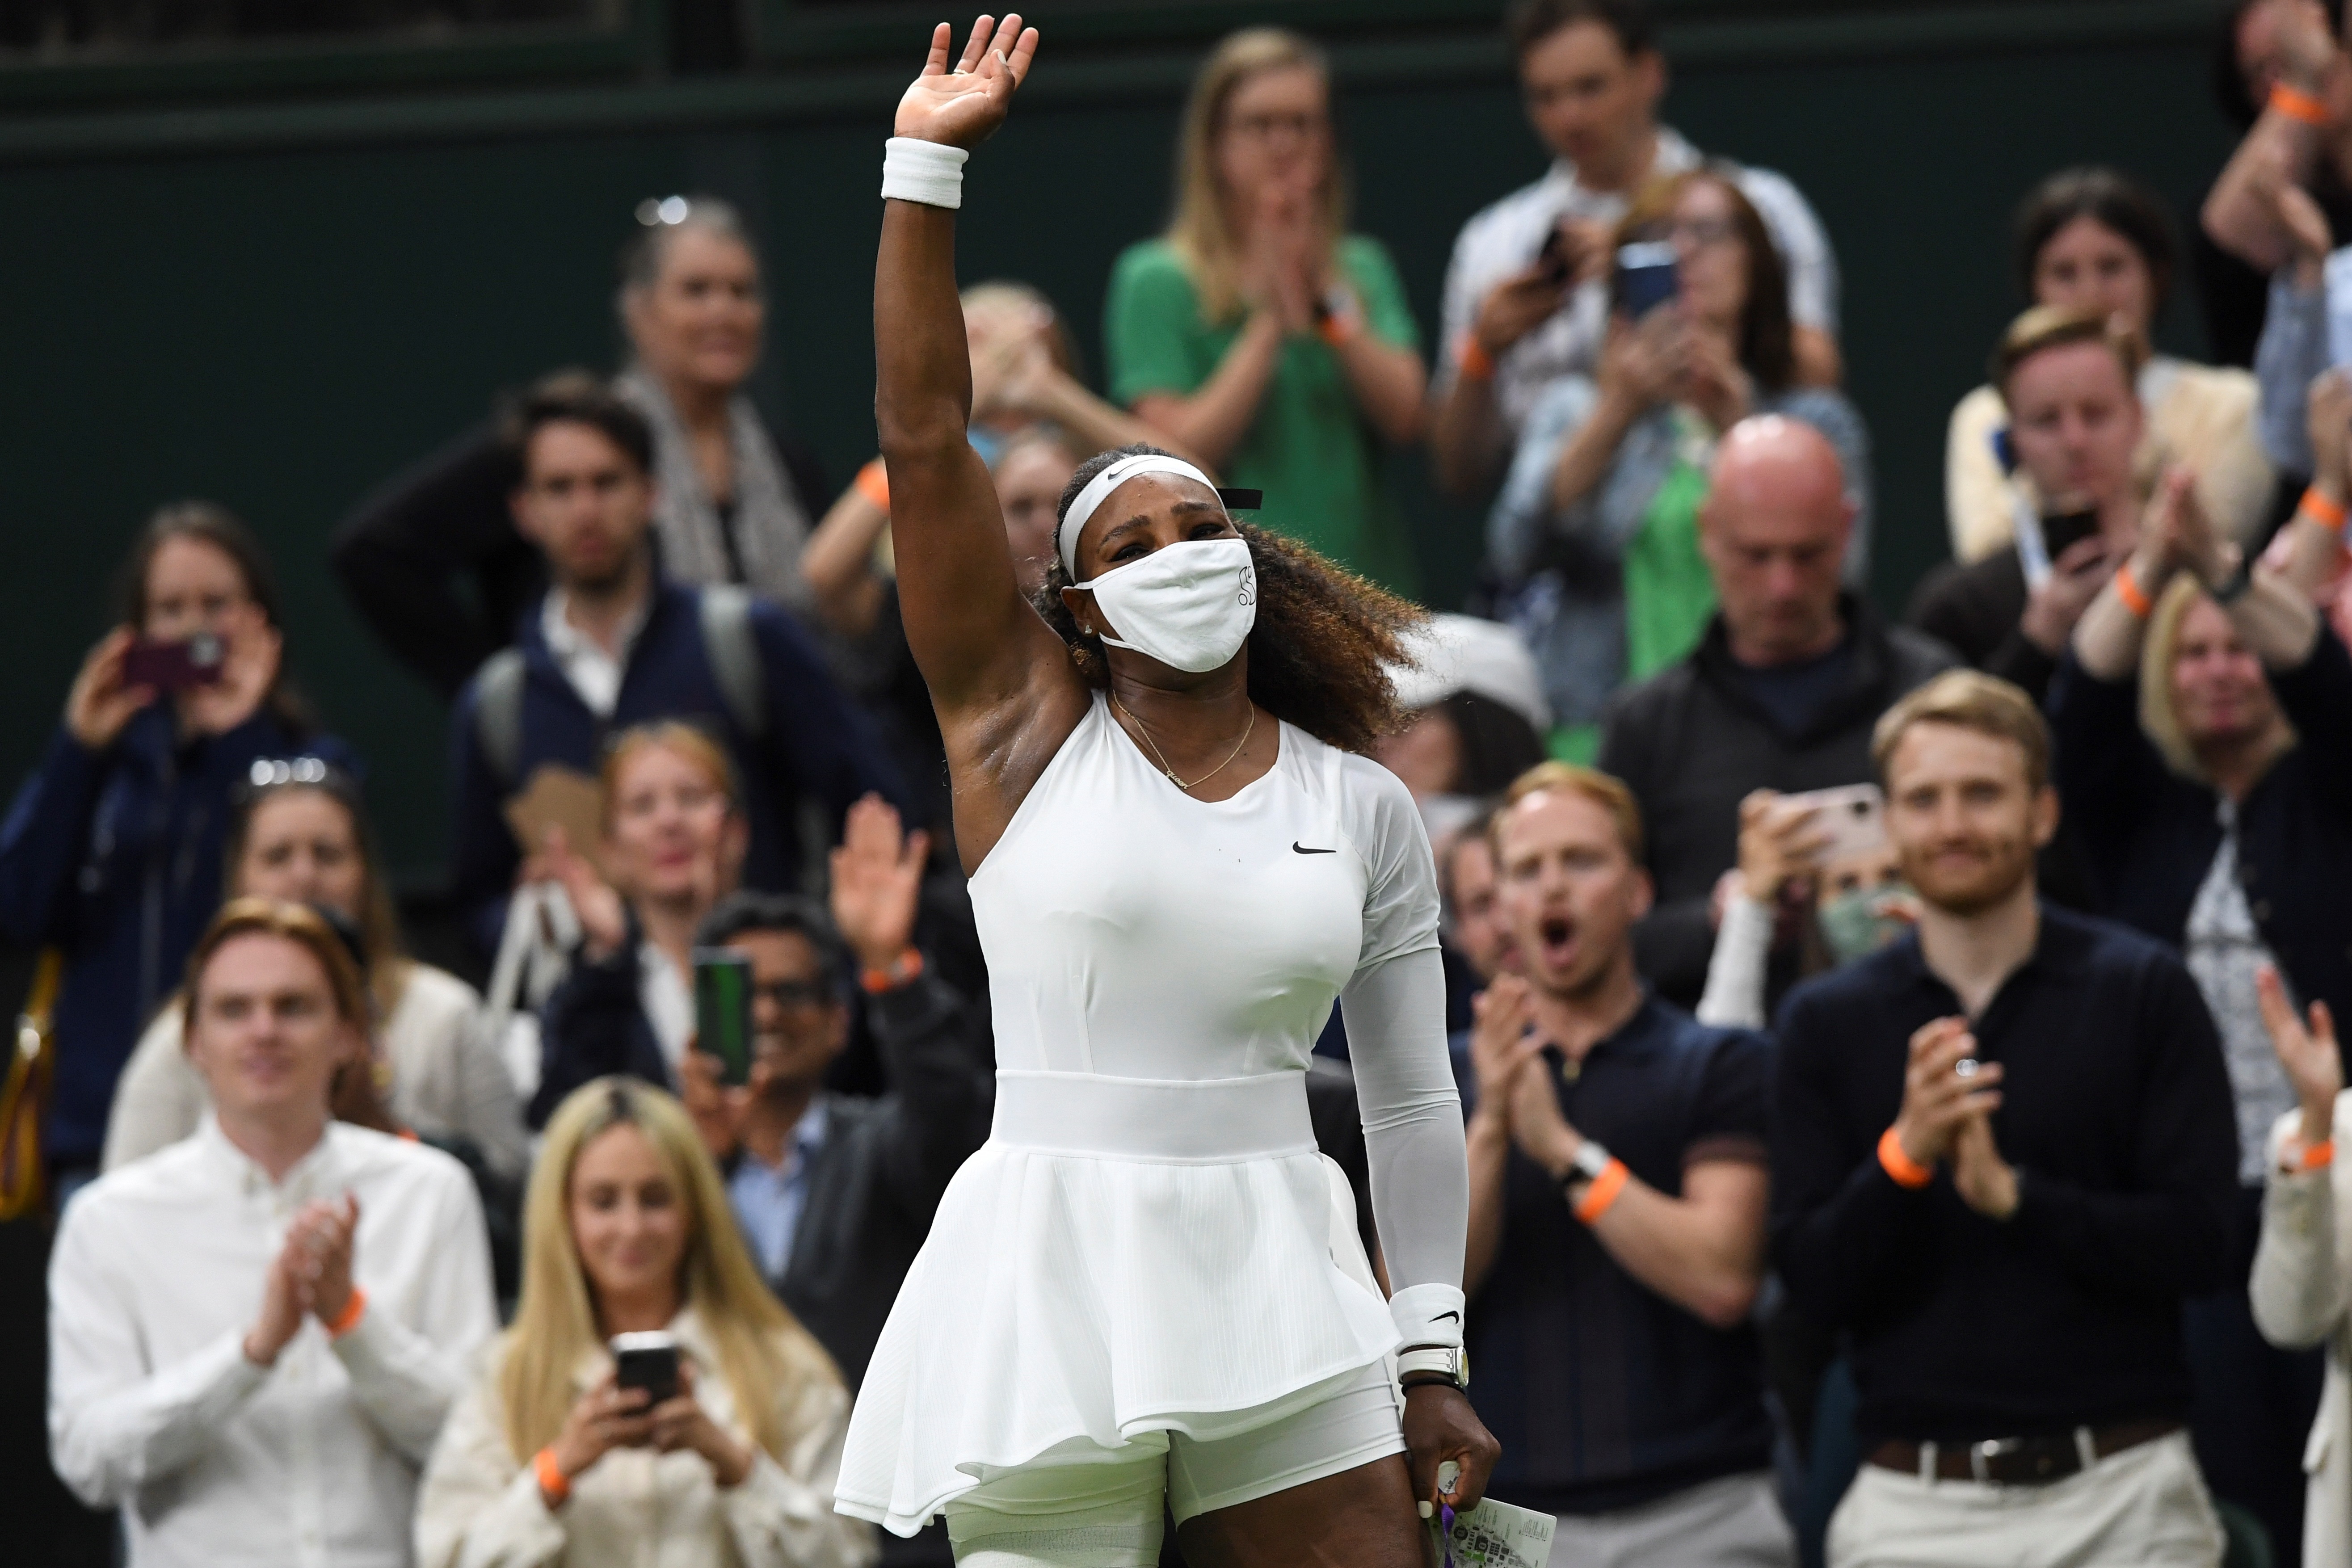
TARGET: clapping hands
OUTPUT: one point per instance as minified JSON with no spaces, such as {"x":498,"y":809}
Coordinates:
{"x":311,"y":1276}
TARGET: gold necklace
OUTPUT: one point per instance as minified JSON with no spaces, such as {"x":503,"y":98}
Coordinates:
{"x":1160,"y":757}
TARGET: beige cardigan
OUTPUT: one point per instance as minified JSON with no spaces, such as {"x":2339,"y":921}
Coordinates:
{"x":481,"y":1507}
{"x":2302,"y":1292}
{"x":2202,"y":416}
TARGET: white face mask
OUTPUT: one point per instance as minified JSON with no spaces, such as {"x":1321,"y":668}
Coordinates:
{"x":1189,"y":605}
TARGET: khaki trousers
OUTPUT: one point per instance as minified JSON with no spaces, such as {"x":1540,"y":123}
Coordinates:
{"x":2144,"y":1508}
{"x":1734,"y":1522}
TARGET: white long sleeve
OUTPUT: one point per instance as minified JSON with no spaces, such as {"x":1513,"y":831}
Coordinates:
{"x":1395,"y":1015}
{"x":1734,"y":998}
{"x":2301,"y":1287}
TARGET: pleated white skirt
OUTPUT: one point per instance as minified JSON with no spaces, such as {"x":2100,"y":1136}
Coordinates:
{"x":1122,"y":1256}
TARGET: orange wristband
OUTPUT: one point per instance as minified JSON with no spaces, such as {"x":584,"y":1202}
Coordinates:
{"x":1336,"y":329}
{"x":553,"y":1485}
{"x":1898,"y":1163}
{"x":903,"y":968}
{"x":2297,"y":104}
{"x":2133,"y":596}
{"x":2328,"y":514}
{"x":1472,"y":359}
{"x":873,"y":482}
{"x":349,"y":1318}
{"x":2317,"y":1156}
{"x":1602,"y":1192}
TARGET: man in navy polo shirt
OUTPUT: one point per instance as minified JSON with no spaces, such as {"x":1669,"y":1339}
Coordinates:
{"x":613,"y":644}
{"x":2003,"y":1153}
{"x":1617,"y":1214}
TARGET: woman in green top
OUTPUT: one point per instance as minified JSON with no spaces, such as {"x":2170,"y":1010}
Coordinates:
{"x":1259,"y":334}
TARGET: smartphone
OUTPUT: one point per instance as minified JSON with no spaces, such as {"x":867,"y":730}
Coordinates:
{"x":722,"y":1010}
{"x":647,"y":1361}
{"x":177,"y":665}
{"x":2066,"y":529}
{"x":1646,"y":277}
{"x":1852,"y":820}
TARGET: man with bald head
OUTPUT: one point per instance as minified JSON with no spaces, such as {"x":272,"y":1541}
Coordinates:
{"x":1781,"y":693}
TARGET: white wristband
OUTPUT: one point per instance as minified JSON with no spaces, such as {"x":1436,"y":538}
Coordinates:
{"x":925,"y":172}
{"x":1429,"y":1314}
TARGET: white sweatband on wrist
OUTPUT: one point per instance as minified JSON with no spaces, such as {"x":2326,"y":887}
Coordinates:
{"x":925,"y":172}
{"x":1429,"y":1314}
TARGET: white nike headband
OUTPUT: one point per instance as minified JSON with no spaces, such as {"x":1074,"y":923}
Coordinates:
{"x":1098,"y":488}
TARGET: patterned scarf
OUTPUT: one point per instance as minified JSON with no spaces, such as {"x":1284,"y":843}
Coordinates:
{"x":770,"y":525}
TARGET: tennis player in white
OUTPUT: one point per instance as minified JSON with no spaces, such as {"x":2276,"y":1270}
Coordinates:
{"x":1179,"y":860}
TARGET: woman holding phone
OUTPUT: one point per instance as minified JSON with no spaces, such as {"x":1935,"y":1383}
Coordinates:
{"x":111,"y":852}
{"x":550,"y":1459}
{"x":1128,"y":1303}
{"x":1595,"y":532}
{"x":674,"y":841}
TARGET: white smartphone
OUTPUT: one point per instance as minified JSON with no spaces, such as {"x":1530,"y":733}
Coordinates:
{"x":1851,"y":819}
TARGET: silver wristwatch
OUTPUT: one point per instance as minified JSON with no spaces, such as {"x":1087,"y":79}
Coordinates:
{"x":1433,"y":1363}
{"x":1586,"y":1164}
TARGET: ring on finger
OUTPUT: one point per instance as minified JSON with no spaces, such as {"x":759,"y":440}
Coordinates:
{"x":1966,"y":1066}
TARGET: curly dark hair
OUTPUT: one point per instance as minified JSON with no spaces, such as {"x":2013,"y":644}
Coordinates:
{"x":1321,"y":650}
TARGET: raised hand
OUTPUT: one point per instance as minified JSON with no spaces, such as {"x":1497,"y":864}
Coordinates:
{"x":962,"y":107}
{"x":99,"y":705}
{"x":2314,"y":1064}
{"x":1937,"y":1097}
{"x":247,"y":672}
{"x":877,"y":882}
{"x":603,"y":920}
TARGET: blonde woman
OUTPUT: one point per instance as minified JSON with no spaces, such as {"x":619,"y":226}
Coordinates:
{"x":547,"y":1460}
{"x":299,"y":833}
{"x":673,"y":844}
{"x":1259,"y":336}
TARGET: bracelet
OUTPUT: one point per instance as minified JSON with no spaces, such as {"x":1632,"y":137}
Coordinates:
{"x":553,"y":1485}
{"x":873,"y":482}
{"x":926,"y":172}
{"x":2328,"y":514}
{"x":2297,"y":104}
{"x":902,"y":969}
{"x":349,"y":1318}
{"x":1472,"y":359}
{"x":1603,"y":1192}
{"x":2313,"y":1157}
{"x":1897,"y":1163}
{"x":2133,"y":596}
{"x":2232,"y":588}
{"x":1336,"y":329}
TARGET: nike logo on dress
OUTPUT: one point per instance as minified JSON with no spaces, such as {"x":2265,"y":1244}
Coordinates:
{"x":1299,"y":848}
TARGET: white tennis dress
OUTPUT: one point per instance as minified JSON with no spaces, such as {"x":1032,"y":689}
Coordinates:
{"x":1144,"y":1242}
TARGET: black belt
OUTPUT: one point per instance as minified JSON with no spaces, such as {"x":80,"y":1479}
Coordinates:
{"x":2018,"y":1461}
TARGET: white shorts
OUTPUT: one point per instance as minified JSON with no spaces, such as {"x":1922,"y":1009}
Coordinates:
{"x":1081,"y":1506}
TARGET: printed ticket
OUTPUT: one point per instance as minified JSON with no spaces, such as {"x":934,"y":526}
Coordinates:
{"x":1495,"y":1535}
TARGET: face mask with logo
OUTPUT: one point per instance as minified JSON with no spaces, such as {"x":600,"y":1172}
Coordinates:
{"x":1189,"y":605}
{"x":1854,"y":925}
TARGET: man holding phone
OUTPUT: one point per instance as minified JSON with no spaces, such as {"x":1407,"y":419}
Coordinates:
{"x":1525,"y":293}
{"x":2069,"y":379}
{"x":2003,"y":1155}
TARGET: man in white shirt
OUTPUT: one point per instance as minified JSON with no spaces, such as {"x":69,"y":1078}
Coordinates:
{"x":1523,"y":309}
{"x":255,"y":1332}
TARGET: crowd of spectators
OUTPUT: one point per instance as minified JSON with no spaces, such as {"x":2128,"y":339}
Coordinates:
{"x":1899,"y":1059}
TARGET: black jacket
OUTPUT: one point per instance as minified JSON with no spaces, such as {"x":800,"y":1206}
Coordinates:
{"x":1975,"y":611}
{"x":2151,"y":835}
{"x":886,"y":1158}
{"x":1690,"y":742}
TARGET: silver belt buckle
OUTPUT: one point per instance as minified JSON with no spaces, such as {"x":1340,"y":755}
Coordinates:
{"x":1981,"y":1455}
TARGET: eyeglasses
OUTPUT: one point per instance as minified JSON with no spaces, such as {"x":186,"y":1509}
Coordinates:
{"x":1698,"y":233}
{"x":1262,"y":127}
{"x":792,"y":995}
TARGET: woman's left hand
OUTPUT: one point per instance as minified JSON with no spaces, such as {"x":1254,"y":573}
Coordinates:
{"x":248,"y":669}
{"x":1713,"y":380}
{"x":1439,"y":1424}
{"x":2306,"y":1051}
{"x":962,"y":107}
{"x":682,"y":1422}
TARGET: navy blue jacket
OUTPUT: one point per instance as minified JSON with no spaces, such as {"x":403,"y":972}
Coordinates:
{"x":818,"y":746}
{"x":115,"y":857}
{"x":2151,"y":835}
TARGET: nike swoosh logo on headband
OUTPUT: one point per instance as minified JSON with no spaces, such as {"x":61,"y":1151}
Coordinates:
{"x":1456,"y":1316}
{"x":1299,"y":848}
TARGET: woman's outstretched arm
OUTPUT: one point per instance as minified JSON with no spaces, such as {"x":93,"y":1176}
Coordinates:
{"x":976,"y":640}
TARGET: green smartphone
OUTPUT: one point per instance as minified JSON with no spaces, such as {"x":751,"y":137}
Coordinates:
{"x":722,"y":1010}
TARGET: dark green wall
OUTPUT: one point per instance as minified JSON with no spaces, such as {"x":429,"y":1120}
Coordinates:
{"x":280,"y":329}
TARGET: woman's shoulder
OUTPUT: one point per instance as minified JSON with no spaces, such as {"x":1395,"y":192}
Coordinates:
{"x":1150,"y":261}
{"x":1361,"y":251}
{"x":2205,"y":394}
{"x":437,"y":991}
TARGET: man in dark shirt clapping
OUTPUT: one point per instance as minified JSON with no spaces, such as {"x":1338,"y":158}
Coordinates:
{"x":2002,"y":1153}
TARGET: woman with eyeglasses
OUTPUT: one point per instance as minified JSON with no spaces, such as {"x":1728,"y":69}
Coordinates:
{"x":112,"y":853}
{"x":737,"y":496}
{"x":1257,"y":335}
{"x":1595,"y":534}
{"x":713,"y":1446}
{"x":300,"y":834}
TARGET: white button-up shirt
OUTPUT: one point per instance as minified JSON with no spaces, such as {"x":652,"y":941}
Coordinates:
{"x":1505,"y":237}
{"x":594,"y":673}
{"x":312,"y":1463}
